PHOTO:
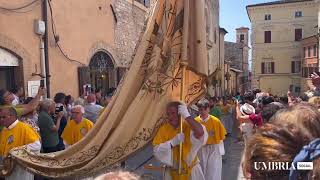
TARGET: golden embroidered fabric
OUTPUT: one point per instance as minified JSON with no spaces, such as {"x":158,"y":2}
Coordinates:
{"x":137,"y":108}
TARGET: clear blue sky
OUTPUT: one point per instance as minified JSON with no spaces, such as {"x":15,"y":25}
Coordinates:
{"x":233,"y":14}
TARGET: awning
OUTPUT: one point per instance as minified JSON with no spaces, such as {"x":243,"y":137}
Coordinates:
{"x":8,"y":59}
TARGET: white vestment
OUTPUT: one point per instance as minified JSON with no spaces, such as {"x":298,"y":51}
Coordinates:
{"x":211,"y":160}
{"x":164,"y":154}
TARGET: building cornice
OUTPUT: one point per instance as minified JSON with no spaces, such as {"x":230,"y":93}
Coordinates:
{"x":279,"y":6}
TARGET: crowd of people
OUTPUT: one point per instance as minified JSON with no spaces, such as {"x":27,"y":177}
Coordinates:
{"x":45,"y":125}
{"x":271,"y":128}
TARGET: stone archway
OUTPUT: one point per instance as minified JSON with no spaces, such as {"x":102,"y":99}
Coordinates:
{"x":104,"y":70}
{"x":24,"y":70}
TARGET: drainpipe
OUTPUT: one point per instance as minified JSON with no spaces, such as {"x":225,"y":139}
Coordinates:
{"x":42,"y":62}
{"x":45,"y":47}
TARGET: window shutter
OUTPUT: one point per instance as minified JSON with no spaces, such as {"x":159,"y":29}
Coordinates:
{"x":292,"y":67}
{"x":267,"y":37}
{"x":298,"y":34}
{"x":272,"y":67}
{"x":262,"y":68}
{"x":83,"y":77}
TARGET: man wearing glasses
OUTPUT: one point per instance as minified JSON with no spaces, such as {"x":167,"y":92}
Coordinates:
{"x":16,"y":134}
{"x":77,"y":127}
{"x":6,"y":99}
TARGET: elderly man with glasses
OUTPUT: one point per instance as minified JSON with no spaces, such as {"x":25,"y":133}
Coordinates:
{"x":16,"y":134}
{"x":77,"y":127}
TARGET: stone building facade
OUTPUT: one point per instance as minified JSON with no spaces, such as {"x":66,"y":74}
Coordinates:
{"x":90,"y":44}
{"x":97,"y":39}
{"x":277,"y":28}
{"x":237,"y":57}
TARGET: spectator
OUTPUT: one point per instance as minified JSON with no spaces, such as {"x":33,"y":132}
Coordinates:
{"x":79,"y":101}
{"x":120,"y":175}
{"x":248,"y":120}
{"x":214,"y":108}
{"x":32,"y":117}
{"x":17,"y":93}
{"x":292,"y":136}
{"x":265,"y":100}
{"x":269,"y":111}
{"x":69,"y":102}
{"x":315,"y":101}
{"x":49,"y":129}
{"x":99,"y":96}
{"x":16,"y":134}
{"x":77,"y":127}
{"x":6,"y":99}
{"x":59,"y":100}
{"x":92,"y":110}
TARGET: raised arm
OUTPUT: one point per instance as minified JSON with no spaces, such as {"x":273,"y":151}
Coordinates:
{"x":33,"y":104}
{"x":195,"y":126}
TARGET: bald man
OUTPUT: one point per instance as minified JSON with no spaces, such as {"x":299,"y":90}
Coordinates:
{"x":16,"y":134}
{"x":92,"y":110}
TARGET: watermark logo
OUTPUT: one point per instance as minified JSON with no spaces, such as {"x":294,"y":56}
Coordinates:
{"x":282,"y":166}
{"x":305,"y":165}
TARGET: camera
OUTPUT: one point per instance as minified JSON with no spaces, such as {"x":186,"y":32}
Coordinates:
{"x":58,"y":109}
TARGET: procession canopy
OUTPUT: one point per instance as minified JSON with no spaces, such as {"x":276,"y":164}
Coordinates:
{"x":137,"y":108}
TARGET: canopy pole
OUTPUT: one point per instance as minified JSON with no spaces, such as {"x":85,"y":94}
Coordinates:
{"x":183,"y":65}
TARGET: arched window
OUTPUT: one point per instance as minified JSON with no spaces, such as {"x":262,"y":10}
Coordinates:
{"x":101,"y":61}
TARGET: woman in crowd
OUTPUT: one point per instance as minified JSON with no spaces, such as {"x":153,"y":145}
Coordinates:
{"x":292,"y":136}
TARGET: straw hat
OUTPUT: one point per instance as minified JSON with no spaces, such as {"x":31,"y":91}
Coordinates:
{"x":247,"y":109}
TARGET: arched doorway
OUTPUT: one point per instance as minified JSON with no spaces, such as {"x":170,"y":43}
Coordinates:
{"x":10,"y":70}
{"x":101,"y":73}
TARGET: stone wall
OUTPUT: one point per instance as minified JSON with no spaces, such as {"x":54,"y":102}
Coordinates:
{"x":131,"y":19}
{"x":233,"y":53}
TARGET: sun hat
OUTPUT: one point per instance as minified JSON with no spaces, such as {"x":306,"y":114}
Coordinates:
{"x":247,"y":109}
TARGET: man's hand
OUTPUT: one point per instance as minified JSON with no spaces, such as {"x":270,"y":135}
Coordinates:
{"x":60,"y":114}
{"x":41,"y":91}
{"x":183,"y":111}
{"x":179,"y":138}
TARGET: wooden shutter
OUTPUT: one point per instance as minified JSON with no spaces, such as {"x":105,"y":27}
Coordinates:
{"x":267,"y":37}
{"x":83,"y":77}
{"x":262,"y":68}
{"x":272,"y":67}
{"x":298,"y":34}
{"x":293,"y":67}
